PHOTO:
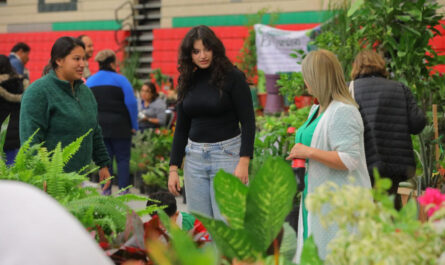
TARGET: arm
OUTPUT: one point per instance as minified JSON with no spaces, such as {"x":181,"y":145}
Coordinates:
{"x":242,"y":100}
{"x":178,"y":148}
{"x":9,"y":96}
{"x":159,"y":110}
{"x":130,"y":102}
{"x":100,"y":154}
{"x":416,"y":117}
{"x":328,"y":158}
{"x":161,"y":117}
{"x":34,"y":114}
{"x":344,"y":136}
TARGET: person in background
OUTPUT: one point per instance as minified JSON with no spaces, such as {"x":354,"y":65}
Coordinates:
{"x":171,"y":93}
{"x":59,"y":108}
{"x":214,"y":100}
{"x":152,"y":108}
{"x":89,"y":50}
{"x":390,"y":115}
{"x":19,"y":57}
{"x":117,"y":113}
{"x":331,"y":142}
{"x":11,"y":89}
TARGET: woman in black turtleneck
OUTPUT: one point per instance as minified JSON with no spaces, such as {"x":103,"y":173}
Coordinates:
{"x":214,"y":100}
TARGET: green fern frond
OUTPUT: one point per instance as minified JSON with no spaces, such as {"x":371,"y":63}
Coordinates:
{"x":131,"y":197}
{"x":70,"y":150}
{"x":150,"y":209}
{"x":104,"y":206}
{"x":20,"y":159}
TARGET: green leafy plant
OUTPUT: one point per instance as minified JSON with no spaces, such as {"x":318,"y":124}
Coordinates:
{"x":254,"y":213}
{"x":159,"y":77}
{"x":275,"y":134}
{"x":182,"y":249}
{"x":3,"y":130}
{"x":369,"y":224}
{"x":247,"y":59}
{"x":128,"y":69}
{"x":43,"y":169}
{"x":341,"y":34}
{"x":291,"y":85}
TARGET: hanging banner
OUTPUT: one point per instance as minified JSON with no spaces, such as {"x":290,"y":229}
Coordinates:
{"x":274,"y":46}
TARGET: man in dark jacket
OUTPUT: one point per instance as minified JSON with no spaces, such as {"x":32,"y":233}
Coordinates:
{"x":390,"y":115}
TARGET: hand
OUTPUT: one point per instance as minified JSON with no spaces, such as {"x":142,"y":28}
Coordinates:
{"x":299,"y":151}
{"x":173,"y":183}
{"x":242,"y":170}
{"x":104,"y":173}
{"x":133,"y":131}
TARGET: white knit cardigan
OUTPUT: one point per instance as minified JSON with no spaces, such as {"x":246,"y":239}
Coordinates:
{"x":340,"y":129}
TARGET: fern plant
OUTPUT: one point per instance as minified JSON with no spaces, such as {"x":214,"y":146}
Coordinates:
{"x":39,"y":167}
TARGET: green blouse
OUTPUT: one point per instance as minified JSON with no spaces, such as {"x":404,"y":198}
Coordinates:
{"x":304,"y":136}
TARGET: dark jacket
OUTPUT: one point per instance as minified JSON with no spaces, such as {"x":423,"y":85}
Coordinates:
{"x":11,"y":89}
{"x":117,"y":103}
{"x":61,"y":115}
{"x":390,"y":115}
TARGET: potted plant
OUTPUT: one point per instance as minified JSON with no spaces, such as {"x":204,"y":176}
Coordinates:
{"x":247,"y":60}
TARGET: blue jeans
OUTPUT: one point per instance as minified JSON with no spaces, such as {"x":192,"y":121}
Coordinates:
{"x":10,"y":156}
{"x":119,"y":148}
{"x":202,"y":162}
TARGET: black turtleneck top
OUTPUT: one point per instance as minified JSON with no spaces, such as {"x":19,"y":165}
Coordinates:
{"x":208,"y":116}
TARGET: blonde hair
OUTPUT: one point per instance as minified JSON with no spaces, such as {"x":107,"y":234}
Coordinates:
{"x":324,"y":75}
{"x":368,"y":62}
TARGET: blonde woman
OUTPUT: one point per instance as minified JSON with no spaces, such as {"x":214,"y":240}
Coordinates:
{"x":331,"y":141}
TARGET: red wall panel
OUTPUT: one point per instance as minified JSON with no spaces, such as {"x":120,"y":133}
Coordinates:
{"x":41,"y":43}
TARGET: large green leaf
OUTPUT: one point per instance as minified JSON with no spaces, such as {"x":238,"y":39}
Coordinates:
{"x":269,"y":200}
{"x":3,"y":129}
{"x":234,"y":243}
{"x":354,"y":7}
{"x":231,"y":194}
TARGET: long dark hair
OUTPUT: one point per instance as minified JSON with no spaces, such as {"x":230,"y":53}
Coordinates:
{"x":5,"y":66}
{"x":152,"y":90}
{"x":62,"y":47}
{"x":220,"y":63}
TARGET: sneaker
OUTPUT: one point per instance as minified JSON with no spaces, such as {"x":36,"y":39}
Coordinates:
{"x":106,"y":192}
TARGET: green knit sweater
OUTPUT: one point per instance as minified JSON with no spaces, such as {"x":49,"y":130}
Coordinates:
{"x":50,"y":105}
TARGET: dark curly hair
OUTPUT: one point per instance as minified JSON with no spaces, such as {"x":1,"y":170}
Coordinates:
{"x":220,"y":65}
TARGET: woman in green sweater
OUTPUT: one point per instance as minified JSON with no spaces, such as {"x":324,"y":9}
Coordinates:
{"x":62,"y":108}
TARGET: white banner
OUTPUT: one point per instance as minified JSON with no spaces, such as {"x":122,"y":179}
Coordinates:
{"x":274,"y":46}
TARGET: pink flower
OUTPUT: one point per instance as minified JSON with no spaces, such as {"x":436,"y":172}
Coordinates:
{"x":432,"y":197}
{"x":291,"y":130}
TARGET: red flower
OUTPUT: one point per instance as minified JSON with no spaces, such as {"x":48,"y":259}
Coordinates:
{"x":104,"y":245}
{"x":432,"y":197}
{"x":291,"y":130}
